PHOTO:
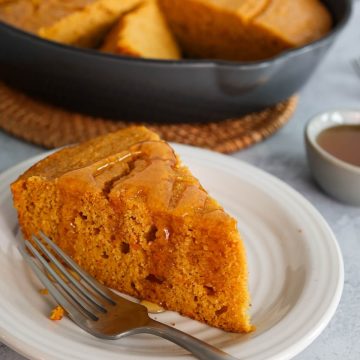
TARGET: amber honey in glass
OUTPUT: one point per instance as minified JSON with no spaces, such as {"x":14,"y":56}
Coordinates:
{"x":343,"y":142}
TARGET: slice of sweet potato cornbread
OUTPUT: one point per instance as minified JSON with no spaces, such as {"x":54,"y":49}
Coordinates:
{"x":144,"y":33}
{"x":244,"y":29}
{"x":128,"y":212}
{"x":87,"y":26}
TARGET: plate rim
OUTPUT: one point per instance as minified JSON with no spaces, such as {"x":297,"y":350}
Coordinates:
{"x":232,"y":163}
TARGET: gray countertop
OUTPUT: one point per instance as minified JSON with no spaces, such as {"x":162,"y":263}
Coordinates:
{"x":334,"y":86}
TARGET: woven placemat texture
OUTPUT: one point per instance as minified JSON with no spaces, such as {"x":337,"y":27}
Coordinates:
{"x":51,"y":127}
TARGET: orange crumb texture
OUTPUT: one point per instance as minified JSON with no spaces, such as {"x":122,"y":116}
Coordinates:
{"x":44,"y":291}
{"x":131,"y":214}
{"x":57,"y":313}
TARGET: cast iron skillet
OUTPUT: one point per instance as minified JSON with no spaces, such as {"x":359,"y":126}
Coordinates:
{"x":154,"y":90}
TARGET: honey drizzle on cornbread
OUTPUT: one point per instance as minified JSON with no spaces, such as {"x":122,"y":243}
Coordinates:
{"x":111,"y":162}
{"x":152,"y":308}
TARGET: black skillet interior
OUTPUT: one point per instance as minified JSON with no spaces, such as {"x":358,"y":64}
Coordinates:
{"x":150,"y":90}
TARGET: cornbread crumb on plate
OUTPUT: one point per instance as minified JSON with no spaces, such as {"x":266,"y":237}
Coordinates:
{"x":127,"y":211}
{"x":57,"y":313}
{"x":44,"y":291}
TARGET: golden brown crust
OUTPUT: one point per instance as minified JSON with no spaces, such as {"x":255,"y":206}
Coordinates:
{"x":31,"y":15}
{"x":310,"y":20}
{"x":87,"y":26}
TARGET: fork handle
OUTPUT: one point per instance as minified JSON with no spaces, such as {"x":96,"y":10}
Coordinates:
{"x":198,"y":348}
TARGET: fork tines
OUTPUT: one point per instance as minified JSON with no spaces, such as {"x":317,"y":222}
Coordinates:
{"x":73,"y":295}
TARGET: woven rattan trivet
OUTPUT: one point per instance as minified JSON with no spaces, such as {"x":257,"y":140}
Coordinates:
{"x":51,"y":127}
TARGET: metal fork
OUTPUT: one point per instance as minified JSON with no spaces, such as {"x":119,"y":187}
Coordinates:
{"x":97,"y":309}
{"x":356,"y":65}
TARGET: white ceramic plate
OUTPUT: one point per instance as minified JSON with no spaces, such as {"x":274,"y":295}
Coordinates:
{"x":296,"y":275}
